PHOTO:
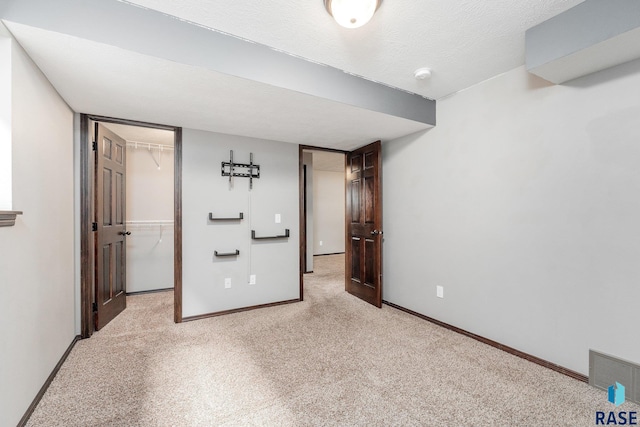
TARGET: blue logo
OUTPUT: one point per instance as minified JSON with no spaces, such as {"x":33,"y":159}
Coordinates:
{"x":616,"y":394}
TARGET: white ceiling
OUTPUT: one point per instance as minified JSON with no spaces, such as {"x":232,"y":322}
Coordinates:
{"x":463,"y":41}
{"x":105,"y":80}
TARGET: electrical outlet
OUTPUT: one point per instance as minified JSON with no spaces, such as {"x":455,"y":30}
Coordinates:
{"x":320,"y":242}
{"x":439,"y":291}
{"x":252,"y":279}
{"x":227,"y":283}
{"x":278,"y":218}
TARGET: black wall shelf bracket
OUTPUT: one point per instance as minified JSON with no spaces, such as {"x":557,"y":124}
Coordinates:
{"x":242,"y":170}
{"x":284,"y":236}
{"x":238,"y":218}
{"x":226,"y":254}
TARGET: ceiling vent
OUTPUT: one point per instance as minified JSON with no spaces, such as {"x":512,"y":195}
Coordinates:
{"x":592,"y":36}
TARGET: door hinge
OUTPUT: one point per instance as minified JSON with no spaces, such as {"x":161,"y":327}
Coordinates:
{"x":94,"y":226}
{"x":95,"y":307}
{"x":94,"y":146}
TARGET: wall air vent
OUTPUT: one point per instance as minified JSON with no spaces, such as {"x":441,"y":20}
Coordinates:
{"x":605,"y":370}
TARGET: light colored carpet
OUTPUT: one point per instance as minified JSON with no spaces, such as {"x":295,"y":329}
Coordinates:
{"x":331,"y":360}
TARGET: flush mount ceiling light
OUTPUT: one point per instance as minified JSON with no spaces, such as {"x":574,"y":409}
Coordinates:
{"x":352,"y":13}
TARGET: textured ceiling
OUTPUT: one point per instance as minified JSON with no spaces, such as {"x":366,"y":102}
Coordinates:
{"x":463,"y":41}
{"x":100,"y":79}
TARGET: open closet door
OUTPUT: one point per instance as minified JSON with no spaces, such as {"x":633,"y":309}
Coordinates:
{"x":110,"y":255}
{"x":364,"y":224}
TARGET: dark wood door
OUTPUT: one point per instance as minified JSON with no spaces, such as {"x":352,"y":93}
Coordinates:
{"x":364,"y":224}
{"x":110,"y":292}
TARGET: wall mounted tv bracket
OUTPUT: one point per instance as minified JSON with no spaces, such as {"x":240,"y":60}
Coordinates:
{"x":242,"y":170}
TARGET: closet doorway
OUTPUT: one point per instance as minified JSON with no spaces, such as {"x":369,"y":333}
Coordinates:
{"x":130,"y":201}
{"x":149,"y":207}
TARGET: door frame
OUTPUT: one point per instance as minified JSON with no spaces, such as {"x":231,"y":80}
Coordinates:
{"x":87,"y":253}
{"x":303,"y":210}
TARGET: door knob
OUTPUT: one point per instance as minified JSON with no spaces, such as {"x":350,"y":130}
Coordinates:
{"x":376,"y":232}
{"x":125,"y":233}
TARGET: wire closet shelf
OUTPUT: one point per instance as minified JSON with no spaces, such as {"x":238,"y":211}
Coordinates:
{"x":159,"y":225}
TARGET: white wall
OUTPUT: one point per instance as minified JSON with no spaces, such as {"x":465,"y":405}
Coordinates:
{"x":275,"y":262}
{"x":5,"y":119}
{"x":307,"y":160}
{"x":149,"y":198}
{"x":523,"y":202}
{"x":329,"y":212}
{"x":36,"y":255}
